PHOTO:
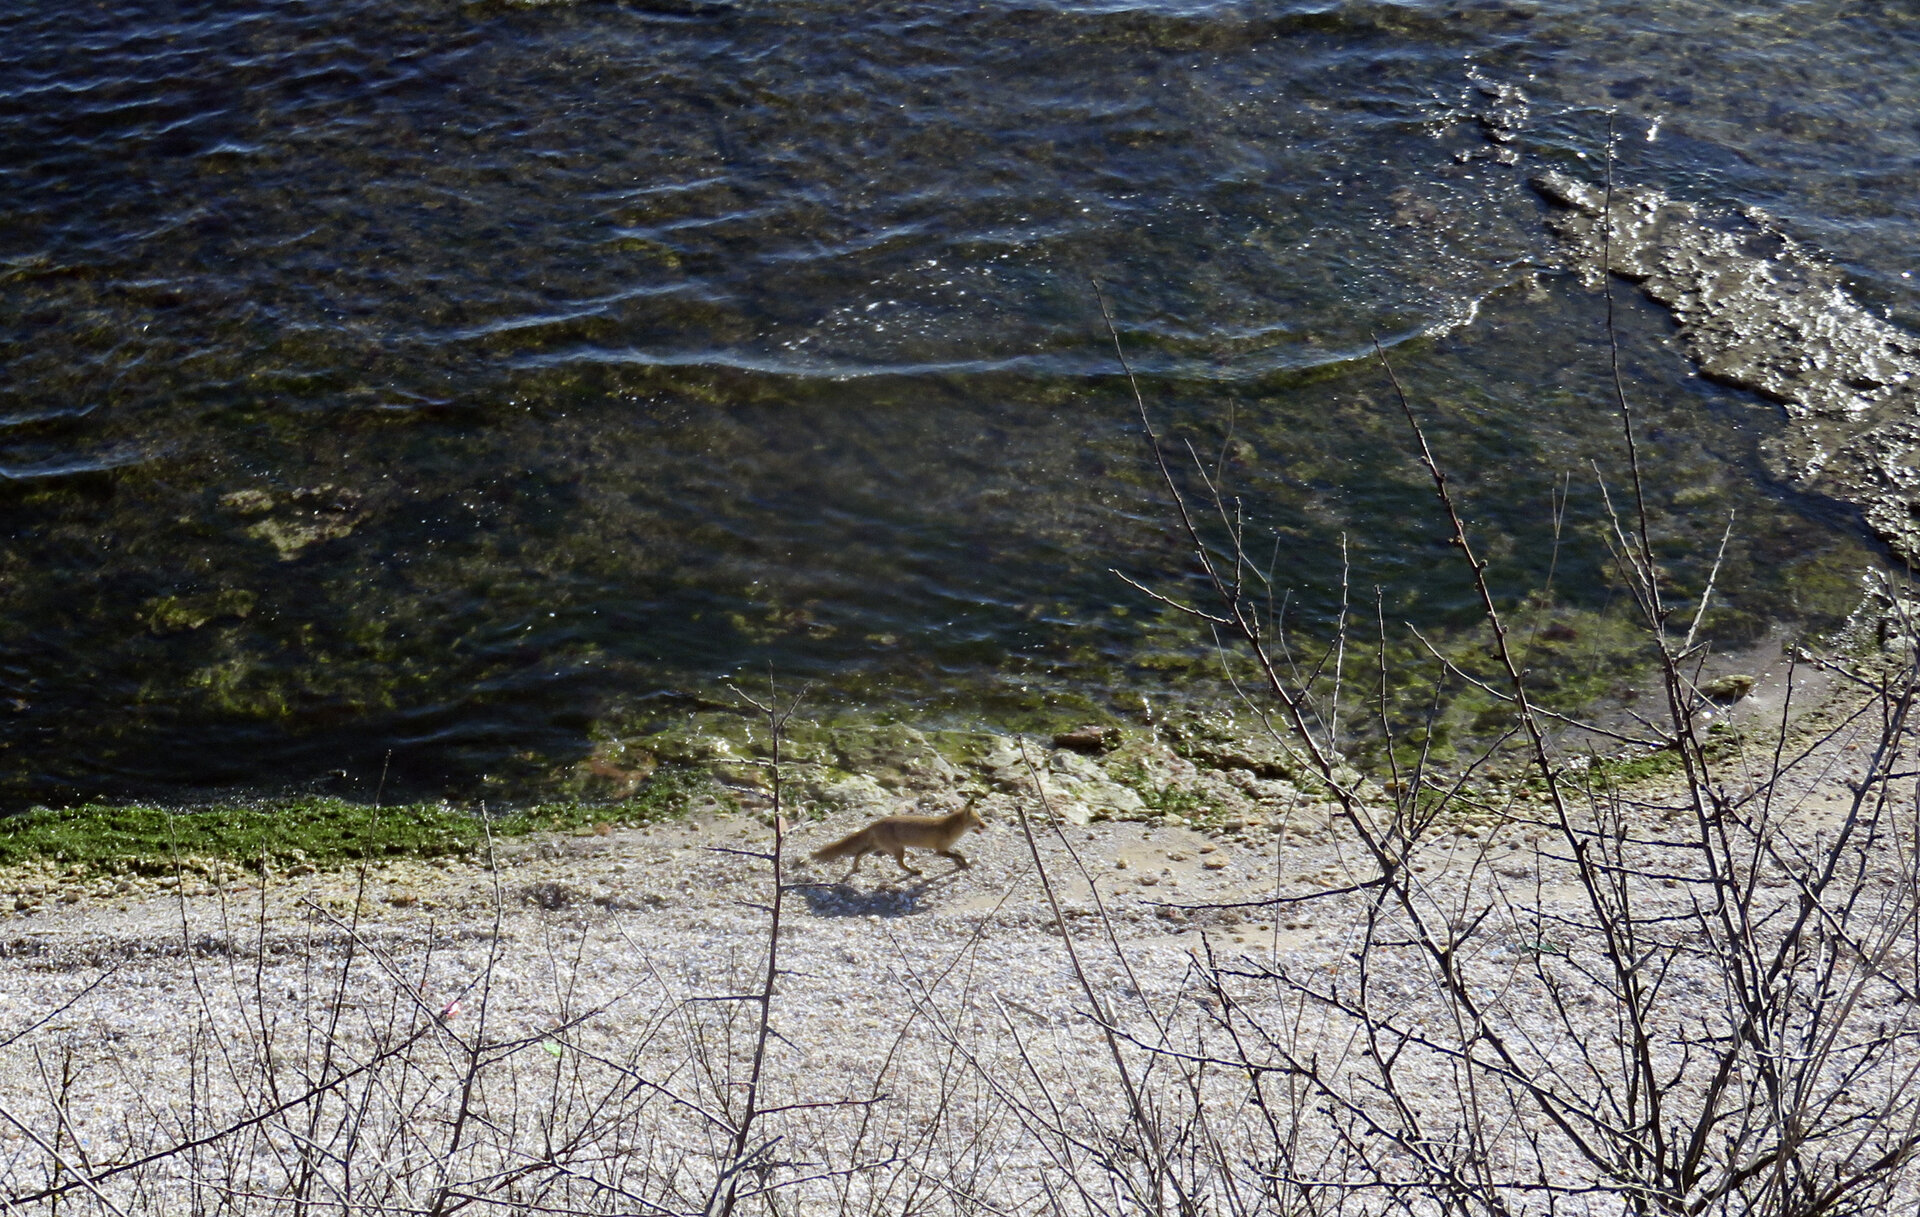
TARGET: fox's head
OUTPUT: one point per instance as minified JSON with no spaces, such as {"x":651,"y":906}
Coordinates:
{"x":973,"y":819}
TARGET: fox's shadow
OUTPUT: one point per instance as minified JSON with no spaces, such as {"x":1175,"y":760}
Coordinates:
{"x":843,"y":899}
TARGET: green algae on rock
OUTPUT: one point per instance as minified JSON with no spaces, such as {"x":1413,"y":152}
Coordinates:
{"x":301,"y":518}
{"x":179,"y":614}
{"x":312,"y":832}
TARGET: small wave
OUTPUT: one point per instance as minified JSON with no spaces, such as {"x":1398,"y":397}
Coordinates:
{"x":582,"y":320}
{"x":56,"y":416}
{"x":1080,"y":359}
{"x":797,"y":367}
{"x":55,"y":468}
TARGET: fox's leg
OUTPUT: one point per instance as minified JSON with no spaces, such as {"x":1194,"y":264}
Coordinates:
{"x":900,"y":855}
{"x":955,"y":855}
{"x":859,"y":856}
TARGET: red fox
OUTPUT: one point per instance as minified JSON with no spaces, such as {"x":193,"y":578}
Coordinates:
{"x":895,"y":834}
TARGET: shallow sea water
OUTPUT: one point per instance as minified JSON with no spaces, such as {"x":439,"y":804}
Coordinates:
{"x":455,"y":380}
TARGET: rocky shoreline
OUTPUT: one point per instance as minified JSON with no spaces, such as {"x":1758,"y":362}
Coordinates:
{"x":180,"y":1001}
{"x":1220,"y":774}
{"x":1757,"y":310}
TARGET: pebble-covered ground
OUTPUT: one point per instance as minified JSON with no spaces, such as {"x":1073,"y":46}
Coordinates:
{"x":571,"y":1025}
{"x":628,"y":925}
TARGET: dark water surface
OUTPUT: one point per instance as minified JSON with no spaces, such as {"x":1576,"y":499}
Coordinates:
{"x":460,"y":379}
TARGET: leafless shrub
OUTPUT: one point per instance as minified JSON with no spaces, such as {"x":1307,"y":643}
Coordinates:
{"x":1693,"y":1001}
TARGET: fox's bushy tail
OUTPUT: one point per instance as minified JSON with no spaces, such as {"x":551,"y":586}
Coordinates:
{"x":846,"y":845}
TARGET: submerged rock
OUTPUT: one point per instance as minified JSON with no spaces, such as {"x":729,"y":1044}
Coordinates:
{"x":897,"y":757}
{"x":300,"y":519}
{"x":1087,"y":739}
{"x":1757,"y":310}
{"x":1503,"y":115}
{"x":165,"y":615}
